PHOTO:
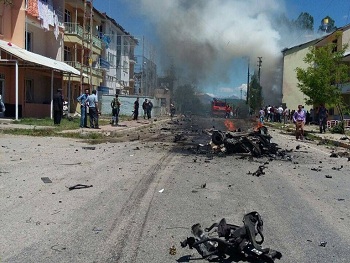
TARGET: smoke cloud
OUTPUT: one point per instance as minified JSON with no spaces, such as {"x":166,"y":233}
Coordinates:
{"x":204,"y":38}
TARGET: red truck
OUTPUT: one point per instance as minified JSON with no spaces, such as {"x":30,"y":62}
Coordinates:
{"x":218,"y":108}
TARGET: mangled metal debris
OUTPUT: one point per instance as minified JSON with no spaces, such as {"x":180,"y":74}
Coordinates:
{"x":257,"y":142}
{"x":232,"y":240}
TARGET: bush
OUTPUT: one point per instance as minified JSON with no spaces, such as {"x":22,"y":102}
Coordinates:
{"x":339,"y":128}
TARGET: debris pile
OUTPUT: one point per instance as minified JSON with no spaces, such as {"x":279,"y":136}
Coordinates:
{"x":257,"y":142}
{"x":232,"y":240}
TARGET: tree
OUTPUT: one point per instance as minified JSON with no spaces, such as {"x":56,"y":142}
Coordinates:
{"x":186,"y":99}
{"x":327,"y":25}
{"x":326,"y":71}
{"x":305,"y":21}
{"x":255,"y":94}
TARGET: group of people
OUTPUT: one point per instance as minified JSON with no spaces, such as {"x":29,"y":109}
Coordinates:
{"x":147,"y":107}
{"x":299,"y":117}
{"x":88,"y":106}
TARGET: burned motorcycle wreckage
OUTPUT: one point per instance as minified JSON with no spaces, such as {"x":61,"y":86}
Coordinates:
{"x":257,"y":142}
{"x":232,"y":240}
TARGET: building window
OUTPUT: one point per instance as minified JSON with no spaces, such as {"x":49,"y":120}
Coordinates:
{"x":111,"y":59}
{"x":67,"y":54}
{"x":29,"y":41}
{"x":29,"y":86}
{"x":67,"y":16}
{"x":125,"y":66}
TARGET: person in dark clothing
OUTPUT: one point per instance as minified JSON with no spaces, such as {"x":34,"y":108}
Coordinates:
{"x":145,"y":107}
{"x":322,"y":116}
{"x":136,"y":108}
{"x":149,"y":109}
{"x":57,"y":107}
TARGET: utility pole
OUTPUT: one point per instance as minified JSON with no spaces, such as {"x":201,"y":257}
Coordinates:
{"x":90,"y":17}
{"x":248,"y":92}
{"x":82,"y":51}
{"x":259,"y":65}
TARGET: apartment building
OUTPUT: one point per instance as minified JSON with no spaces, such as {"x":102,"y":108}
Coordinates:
{"x":293,"y":58}
{"x":31,"y":37}
{"x":117,"y":58}
{"x":82,"y":47}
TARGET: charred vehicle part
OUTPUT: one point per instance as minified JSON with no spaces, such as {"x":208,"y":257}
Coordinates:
{"x":232,"y":240}
{"x":257,"y":142}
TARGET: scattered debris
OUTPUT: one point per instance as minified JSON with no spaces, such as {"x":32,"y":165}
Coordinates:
{"x":89,"y":148}
{"x":204,"y":185}
{"x":46,"y":180}
{"x":172,"y":250}
{"x":97,"y":230}
{"x":259,"y":172}
{"x":232,"y":240}
{"x":323,"y":244}
{"x":341,"y":199}
{"x":337,"y":168}
{"x":329,"y":176}
{"x":334,"y":155}
{"x":318,"y":169}
{"x":161,"y":190}
{"x":79,"y":186}
{"x":297,"y":147}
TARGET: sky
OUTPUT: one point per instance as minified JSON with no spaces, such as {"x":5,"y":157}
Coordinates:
{"x":211,"y":41}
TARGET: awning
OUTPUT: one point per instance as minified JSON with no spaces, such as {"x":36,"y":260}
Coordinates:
{"x":37,"y":59}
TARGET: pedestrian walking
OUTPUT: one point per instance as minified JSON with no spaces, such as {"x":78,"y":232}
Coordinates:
{"x":136,"y":108}
{"x":286,"y":115}
{"x":299,"y":119}
{"x":115,"y":105}
{"x":93,"y":110}
{"x":322,"y":116}
{"x":57,"y":107}
{"x":82,"y":99}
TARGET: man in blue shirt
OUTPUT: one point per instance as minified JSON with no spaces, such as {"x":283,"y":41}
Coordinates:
{"x":93,"y":109}
{"x":82,"y":100}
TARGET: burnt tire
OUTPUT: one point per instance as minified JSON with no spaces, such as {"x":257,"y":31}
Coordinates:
{"x":218,"y":138}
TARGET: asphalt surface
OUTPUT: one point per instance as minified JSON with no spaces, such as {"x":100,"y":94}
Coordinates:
{"x":147,"y":193}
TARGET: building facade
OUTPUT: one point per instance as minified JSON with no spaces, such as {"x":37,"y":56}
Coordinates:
{"x":31,"y":53}
{"x":294,"y":57}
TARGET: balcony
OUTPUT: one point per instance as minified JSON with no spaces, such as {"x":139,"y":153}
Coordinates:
{"x":104,"y":64}
{"x":73,"y":29}
{"x":74,"y":64}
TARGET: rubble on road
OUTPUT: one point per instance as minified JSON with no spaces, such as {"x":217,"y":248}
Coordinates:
{"x":222,"y":239}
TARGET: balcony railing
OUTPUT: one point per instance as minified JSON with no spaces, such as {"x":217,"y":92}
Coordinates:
{"x":73,"y":29}
{"x":74,"y":64}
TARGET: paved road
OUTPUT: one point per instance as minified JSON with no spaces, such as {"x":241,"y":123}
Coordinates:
{"x":124,"y":217}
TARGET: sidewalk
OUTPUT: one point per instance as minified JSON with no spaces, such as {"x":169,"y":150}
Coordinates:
{"x":106,"y":129}
{"x":341,"y":140}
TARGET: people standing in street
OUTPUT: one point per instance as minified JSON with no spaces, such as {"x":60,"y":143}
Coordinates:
{"x":115,"y":105}
{"x":136,"y":108}
{"x":299,"y":119}
{"x":149,"y":109}
{"x":322,"y":116}
{"x":57,"y":107}
{"x":172,"y":110}
{"x":261,"y":116}
{"x":280,"y":113}
{"x":82,"y":99}
{"x":286,"y":115}
{"x":145,"y":108}
{"x":93,"y":109}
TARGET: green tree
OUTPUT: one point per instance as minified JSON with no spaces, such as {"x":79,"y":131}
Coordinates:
{"x":322,"y":78}
{"x":305,"y":21}
{"x":327,"y":25}
{"x":186,"y":99}
{"x":255,"y":93}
